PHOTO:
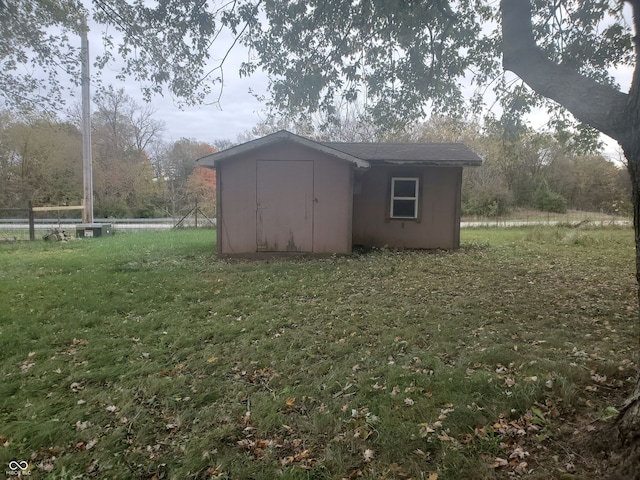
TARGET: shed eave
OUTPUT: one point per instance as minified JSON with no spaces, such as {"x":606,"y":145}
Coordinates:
{"x":213,"y":159}
{"x":429,"y":163}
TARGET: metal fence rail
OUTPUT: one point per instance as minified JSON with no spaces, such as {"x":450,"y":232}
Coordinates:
{"x":17,"y":229}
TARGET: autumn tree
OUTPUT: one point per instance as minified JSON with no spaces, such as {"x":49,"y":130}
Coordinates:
{"x":124,"y":180}
{"x":175,"y":165}
{"x":40,"y":161}
{"x":201,"y":189}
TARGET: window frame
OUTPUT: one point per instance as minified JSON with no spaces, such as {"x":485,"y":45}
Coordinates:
{"x":415,"y":198}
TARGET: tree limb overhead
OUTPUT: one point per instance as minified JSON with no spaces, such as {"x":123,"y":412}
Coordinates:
{"x":600,"y":106}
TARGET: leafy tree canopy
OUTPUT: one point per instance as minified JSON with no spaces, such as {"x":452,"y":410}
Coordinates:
{"x":401,"y":59}
{"x":38,"y":44}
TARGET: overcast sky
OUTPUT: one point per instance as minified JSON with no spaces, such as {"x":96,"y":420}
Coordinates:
{"x":237,"y":112}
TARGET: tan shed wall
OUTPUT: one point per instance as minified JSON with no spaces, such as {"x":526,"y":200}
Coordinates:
{"x":237,"y":207}
{"x":438,"y":225}
{"x":238,"y":202}
{"x":332,"y":216}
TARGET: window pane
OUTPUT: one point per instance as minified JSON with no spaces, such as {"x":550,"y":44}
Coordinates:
{"x":404,"y":188}
{"x":404,"y":208}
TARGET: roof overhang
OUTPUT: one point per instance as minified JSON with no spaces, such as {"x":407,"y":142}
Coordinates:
{"x":430,"y":163}
{"x":214,"y":159}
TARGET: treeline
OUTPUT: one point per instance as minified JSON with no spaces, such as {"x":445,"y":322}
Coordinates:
{"x":550,"y":172}
{"x":135,"y":174}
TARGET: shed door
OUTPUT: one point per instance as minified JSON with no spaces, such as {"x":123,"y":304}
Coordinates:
{"x":284,"y":216}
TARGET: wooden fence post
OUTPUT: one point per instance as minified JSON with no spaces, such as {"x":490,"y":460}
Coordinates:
{"x":32,"y":227}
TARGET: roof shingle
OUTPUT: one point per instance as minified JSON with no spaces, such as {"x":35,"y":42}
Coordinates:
{"x":420,"y":153}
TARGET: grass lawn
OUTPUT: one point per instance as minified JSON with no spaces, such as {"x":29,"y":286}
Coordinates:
{"x":142,"y":356}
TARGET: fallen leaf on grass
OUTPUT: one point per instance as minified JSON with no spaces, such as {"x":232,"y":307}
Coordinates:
{"x":82,"y":425}
{"x":425,"y":429}
{"x":599,"y":378}
{"x":519,"y":453}
{"x":368,"y":455}
{"x":91,"y":444}
{"x":499,"y":462}
{"x":26,"y":365}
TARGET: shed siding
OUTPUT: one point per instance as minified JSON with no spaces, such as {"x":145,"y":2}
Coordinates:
{"x":284,"y":215}
{"x":439,"y":209}
{"x":237,"y":215}
{"x":324,"y":189}
{"x":332,"y":206}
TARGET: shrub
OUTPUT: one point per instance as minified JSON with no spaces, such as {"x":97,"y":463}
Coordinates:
{"x":547,"y":200}
{"x":489,"y":205}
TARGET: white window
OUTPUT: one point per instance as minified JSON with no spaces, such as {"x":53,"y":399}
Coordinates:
{"x":404,"y":197}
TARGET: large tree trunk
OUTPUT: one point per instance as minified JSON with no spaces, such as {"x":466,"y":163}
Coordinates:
{"x":628,"y":422}
{"x":608,"y":110}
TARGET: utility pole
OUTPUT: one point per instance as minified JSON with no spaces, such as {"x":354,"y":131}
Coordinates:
{"x":87,"y":162}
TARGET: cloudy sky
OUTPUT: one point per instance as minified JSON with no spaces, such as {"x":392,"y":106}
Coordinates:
{"x":237,"y":111}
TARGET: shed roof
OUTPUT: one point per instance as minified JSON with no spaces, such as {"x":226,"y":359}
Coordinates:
{"x":282,"y":135}
{"x":361,"y":154}
{"x":454,"y":154}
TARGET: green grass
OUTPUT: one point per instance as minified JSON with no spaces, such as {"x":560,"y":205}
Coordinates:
{"x":143,"y":356}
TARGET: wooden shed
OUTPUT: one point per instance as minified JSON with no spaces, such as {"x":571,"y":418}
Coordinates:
{"x":285,"y":193}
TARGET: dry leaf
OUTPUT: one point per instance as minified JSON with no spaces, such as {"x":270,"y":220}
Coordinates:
{"x":91,"y":444}
{"x":425,"y":429}
{"x":82,"y":425}
{"x":499,"y":462}
{"x":368,"y":455}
